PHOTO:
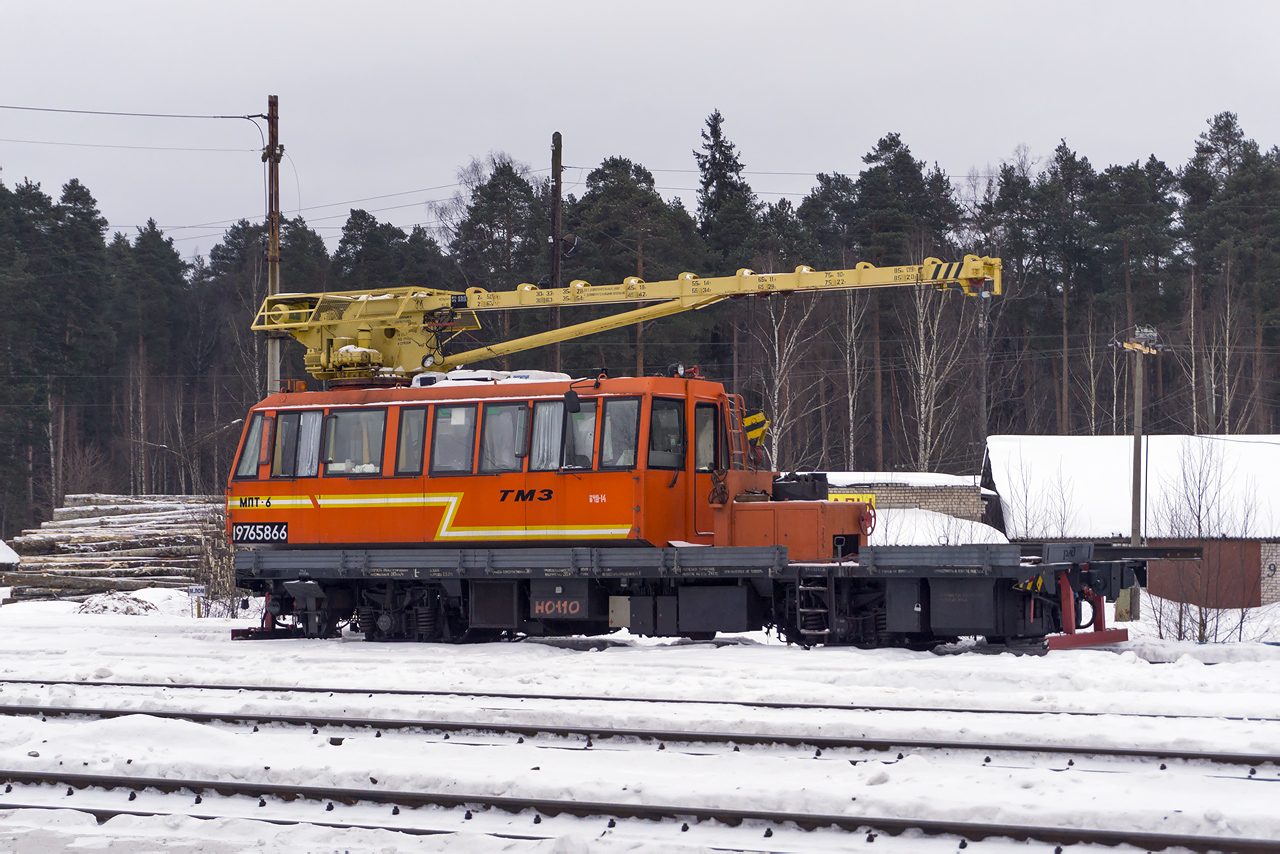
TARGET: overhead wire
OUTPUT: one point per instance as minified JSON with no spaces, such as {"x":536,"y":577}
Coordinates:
{"x":129,"y":114}
{"x":131,"y":147}
{"x":300,"y":208}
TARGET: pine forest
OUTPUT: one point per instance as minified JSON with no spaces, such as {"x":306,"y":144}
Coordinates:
{"x":128,"y":368}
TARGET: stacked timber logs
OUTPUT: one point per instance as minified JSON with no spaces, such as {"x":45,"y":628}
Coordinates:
{"x":99,"y":543}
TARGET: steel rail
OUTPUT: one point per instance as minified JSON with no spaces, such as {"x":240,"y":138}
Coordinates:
{"x":733,"y":817}
{"x":500,"y":695}
{"x":819,"y":742}
{"x":102,"y":814}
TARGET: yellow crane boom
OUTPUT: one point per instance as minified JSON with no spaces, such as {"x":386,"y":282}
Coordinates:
{"x":403,"y":331}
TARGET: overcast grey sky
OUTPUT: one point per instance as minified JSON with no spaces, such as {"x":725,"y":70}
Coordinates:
{"x":380,"y":98}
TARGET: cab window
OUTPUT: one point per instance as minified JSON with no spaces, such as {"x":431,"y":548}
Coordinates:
{"x":705,"y":436}
{"x":621,"y":427}
{"x":353,"y":441}
{"x":453,"y":439}
{"x":580,"y":436}
{"x":548,"y":435}
{"x":251,"y":451}
{"x":503,"y":436}
{"x":297,"y":449}
{"x":413,"y":424}
{"x":666,"y":434}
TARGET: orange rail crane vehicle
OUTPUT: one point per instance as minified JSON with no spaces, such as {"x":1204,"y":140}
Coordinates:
{"x":416,"y":498}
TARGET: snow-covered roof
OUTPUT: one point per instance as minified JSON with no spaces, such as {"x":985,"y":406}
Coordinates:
{"x":910,"y":527}
{"x":7,"y":555}
{"x":899,"y":478}
{"x":1194,"y":486}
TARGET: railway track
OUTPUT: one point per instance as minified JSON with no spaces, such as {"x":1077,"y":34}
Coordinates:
{"x":32,"y":789}
{"x":590,"y":733}
{"x":513,"y":816}
{"x":499,"y":695}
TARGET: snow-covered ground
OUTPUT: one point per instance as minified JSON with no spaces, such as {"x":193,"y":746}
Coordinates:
{"x":1227,"y":688}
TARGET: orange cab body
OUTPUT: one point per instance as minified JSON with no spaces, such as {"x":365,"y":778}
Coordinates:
{"x":653,"y":461}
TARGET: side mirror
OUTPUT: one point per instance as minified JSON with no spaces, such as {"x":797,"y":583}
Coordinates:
{"x":571,"y":403}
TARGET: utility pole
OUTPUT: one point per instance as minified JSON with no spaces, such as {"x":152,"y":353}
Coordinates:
{"x":1141,"y":343}
{"x":556,"y":170}
{"x":271,"y":156}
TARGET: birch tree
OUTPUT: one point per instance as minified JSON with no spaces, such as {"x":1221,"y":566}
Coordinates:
{"x":937,"y":338}
{"x":782,"y":330}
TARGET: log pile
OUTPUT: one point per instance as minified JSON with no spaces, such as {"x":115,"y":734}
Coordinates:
{"x":100,"y":543}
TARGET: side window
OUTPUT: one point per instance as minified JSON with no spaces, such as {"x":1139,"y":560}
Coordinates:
{"x":453,"y":439}
{"x":619,"y":433}
{"x":580,"y":436}
{"x":502,"y":436}
{"x":705,"y":434}
{"x":666,"y":434}
{"x":548,"y":433}
{"x":353,"y":443}
{"x":309,"y":443}
{"x":284,"y":462}
{"x":413,"y":427}
{"x":297,"y":452}
{"x":251,"y":452}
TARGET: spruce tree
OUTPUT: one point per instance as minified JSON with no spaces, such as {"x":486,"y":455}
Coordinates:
{"x":829,"y":214}
{"x":499,"y":241}
{"x":727,"y":208}
{"x":627,"y":229}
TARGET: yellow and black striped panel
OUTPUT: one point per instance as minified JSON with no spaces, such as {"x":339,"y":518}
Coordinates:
{"x":936,"y":272}
{"x":755,"y":425}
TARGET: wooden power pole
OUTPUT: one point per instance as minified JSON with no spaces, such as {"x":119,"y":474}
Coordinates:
{"x":556,"y":169}
{"x":1142,"y":343}
{"x":271,"y":156}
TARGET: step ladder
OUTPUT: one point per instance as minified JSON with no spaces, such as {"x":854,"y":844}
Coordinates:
{"x":813,"y":608}
{"x":737,"y":437}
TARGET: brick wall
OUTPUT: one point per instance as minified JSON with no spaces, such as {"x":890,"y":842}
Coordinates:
{"x":963,"y":502}
{"x":1270,"y":573}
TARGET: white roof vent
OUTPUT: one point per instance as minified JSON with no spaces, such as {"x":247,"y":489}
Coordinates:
{"x":538,"y":377}
{"x":463,"y":375}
